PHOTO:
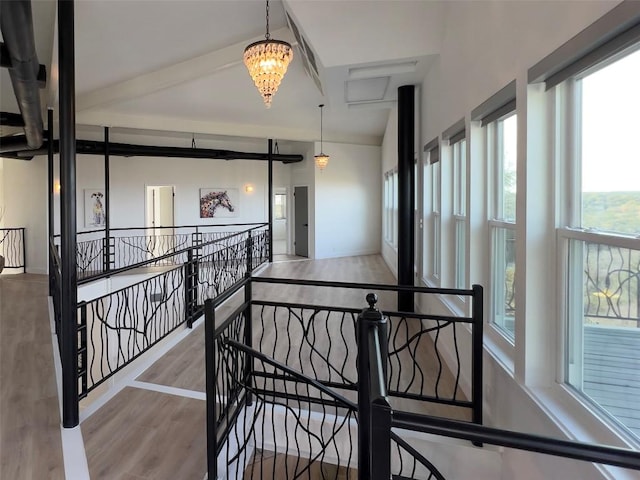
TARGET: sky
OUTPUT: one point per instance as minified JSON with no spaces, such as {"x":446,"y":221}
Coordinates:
{"x":611,"y":127}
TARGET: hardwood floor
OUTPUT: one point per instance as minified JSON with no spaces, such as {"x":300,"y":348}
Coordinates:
{"x":142,"y":434}
{"x":139,"y":434}
{"x":271,"y":466}
{"x":30,"y":442}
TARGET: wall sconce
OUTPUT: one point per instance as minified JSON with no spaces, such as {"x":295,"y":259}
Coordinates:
{"x":248,"y":188}
{"x":56,"y":187}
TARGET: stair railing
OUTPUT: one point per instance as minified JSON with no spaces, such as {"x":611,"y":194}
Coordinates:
{"x":12,"y":248}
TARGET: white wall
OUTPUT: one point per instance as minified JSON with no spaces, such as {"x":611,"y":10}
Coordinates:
{"x":24,"y":194}
{"x":487,"y":45}
{"x":348,"y":201}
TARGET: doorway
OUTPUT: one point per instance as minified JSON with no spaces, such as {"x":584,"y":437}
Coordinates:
{"x":280,"y":221}
{"x":301,"y":221}
{"x":159,"y":215}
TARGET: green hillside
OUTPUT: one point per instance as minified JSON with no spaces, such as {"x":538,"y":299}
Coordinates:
{"x":612,"y":211}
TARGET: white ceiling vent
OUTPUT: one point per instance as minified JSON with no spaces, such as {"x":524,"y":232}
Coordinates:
{"x":306,"y":53}
{"x":366,"y":90}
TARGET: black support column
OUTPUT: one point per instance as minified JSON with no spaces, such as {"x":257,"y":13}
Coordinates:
{"x":107,"y":203}
{"x":406,"y":194}
{"x":69,"y":349}
{"x":270,"y":200}
{"x":50,"y":197}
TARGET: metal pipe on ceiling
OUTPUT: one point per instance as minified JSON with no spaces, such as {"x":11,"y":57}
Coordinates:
{"x":16,"y":22}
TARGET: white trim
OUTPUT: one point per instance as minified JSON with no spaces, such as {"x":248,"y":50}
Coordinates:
{"x":74,"y":455}
{"x":595,"y":236}
{"x":180,"y":392}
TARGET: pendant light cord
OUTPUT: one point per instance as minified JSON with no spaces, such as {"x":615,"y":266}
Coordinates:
{"x":268,"y":35}
{"x":321,"y":149}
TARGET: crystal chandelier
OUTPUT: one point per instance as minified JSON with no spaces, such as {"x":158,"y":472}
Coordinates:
{"x":322,"y":159}
{"x":267,"y":62}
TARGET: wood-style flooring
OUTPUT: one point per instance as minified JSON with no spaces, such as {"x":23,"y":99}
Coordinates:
{"x":140,"y":434}
{"x":271,"y":466}
{"x":30,"y":441}
{"x":143,"y":434}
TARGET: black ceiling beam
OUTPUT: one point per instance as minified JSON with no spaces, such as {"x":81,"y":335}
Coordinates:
{"x":9,"y":119}
{"x":12,"y":147}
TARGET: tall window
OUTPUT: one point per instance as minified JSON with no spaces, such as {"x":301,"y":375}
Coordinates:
{"x":600,"y":240}
{"x":501,"y":137}
{"x":394,"y":199}
{"x":431,"y":208}
{"x":460,"y":212}
{"x":390,"y":207}
{"x":280,"y":206}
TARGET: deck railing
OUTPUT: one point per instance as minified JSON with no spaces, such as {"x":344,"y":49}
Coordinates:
{"x":12,"y":248}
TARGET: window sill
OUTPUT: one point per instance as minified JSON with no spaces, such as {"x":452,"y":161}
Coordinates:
{"x":574,"y":417}
{"x":500,"y":349}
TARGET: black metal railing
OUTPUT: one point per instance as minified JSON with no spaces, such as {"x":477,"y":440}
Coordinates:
{"x":12,"y":248}
{"x":55,"y":287}
{"x":378,"y":419}
{"x":282,"y":422}
{"x":606,"y":455}
{"x":116,"y":328}
{"x":125,"y":247}
{"x":611,"y":285}
{"x":319,"y":340}
{"x":289,"y":346}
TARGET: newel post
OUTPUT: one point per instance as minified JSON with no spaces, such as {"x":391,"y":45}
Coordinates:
{"x":372,"y":374}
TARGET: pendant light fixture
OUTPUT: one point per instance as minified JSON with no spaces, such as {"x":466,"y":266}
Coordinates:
{"x":267,"y":61}
{"x":322,"y":159}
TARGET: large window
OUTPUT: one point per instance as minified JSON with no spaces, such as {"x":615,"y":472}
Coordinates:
{"x":431,"y":182}
{"x":391,"y":207}
{"x":436,"y":219}
{"x":501,"y":138}
{"x":600,"y":240}
{"x":280,"y":206}
{"x":460,"y":213}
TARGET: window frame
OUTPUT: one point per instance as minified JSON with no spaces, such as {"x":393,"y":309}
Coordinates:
{"x":572,"y":238}
{"x":499,"y":225}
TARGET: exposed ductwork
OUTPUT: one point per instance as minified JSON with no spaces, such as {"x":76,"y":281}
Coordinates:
{"x":89,"y":147}
{"x":16,"y":22}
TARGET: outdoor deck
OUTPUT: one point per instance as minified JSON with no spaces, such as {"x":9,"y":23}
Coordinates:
{"x":612,"y":371}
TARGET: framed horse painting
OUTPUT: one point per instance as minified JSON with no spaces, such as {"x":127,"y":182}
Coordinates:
{"x":219,"y":202}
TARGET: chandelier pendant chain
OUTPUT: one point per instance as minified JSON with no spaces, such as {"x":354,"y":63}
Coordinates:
{"x":268,"y":35}
{"x":321,"y":149}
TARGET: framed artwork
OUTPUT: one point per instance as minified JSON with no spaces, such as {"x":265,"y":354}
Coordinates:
{"x":94,"y":210}
{"x":219,"y":202}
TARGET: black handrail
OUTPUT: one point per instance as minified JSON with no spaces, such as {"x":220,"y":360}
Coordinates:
{"x":118,"y":229}
{"x":366,"y":286}
{"x":619,"y":457}
{"x":159,"y":258}
{"x":297,"y":375}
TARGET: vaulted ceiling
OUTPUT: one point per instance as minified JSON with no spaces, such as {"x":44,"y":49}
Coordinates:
{"x":176,"y":65}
